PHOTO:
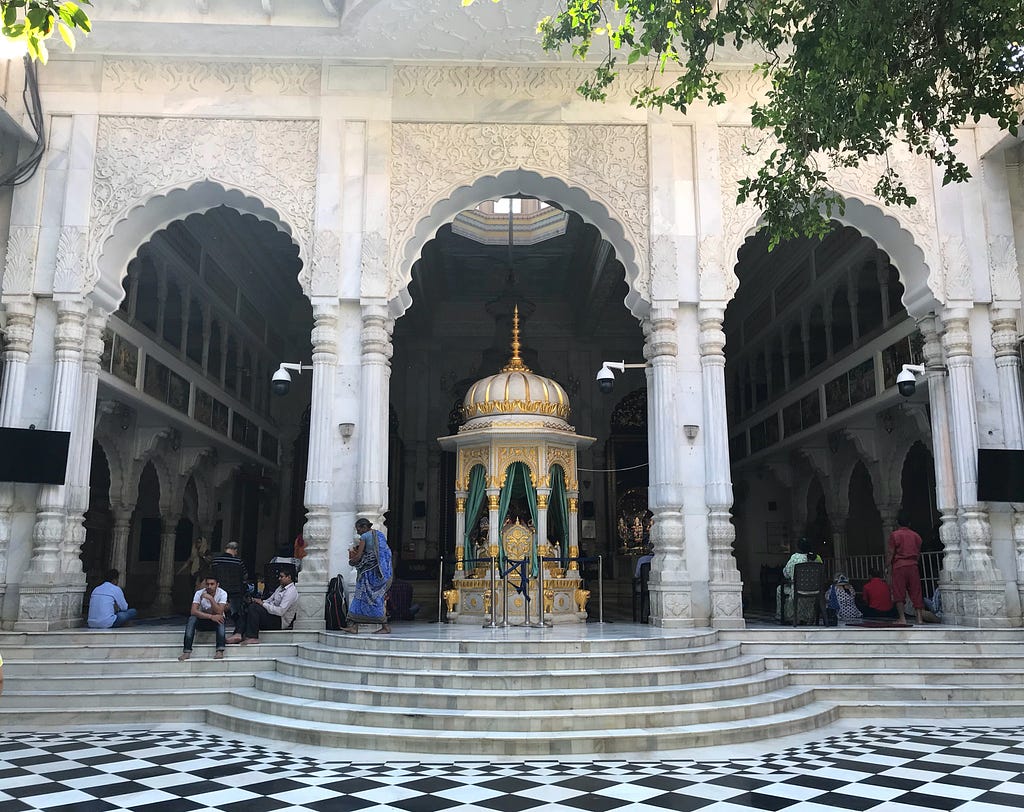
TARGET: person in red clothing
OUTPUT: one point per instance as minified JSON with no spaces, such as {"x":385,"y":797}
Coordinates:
{"x":904,"y":551}
{"x":877,"y":598}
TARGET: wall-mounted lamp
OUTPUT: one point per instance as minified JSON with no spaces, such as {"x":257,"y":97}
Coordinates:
{"x":346,"y":429}
{"x":690,"y":431}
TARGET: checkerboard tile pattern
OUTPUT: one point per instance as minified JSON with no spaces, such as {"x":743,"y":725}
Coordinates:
{"x":974,"y":769}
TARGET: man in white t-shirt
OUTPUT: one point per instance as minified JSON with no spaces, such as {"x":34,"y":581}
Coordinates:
{"x":209,"y":607}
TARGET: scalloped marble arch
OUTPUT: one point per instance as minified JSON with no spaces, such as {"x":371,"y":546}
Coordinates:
{"x":915,"y":264}
{"x":117,"y":246}
{"x":584,"y":202}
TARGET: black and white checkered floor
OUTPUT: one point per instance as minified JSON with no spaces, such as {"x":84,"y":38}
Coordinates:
{"x":979,"y":769}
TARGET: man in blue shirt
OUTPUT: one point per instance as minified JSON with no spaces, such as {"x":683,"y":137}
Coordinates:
{"x":108,"y":608}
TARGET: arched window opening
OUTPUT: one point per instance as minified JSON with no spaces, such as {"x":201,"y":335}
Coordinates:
{"x":842,"y":325}
{"x":869,"y":299}
{"x":816,"y":333}
{"x":194,"y":338}
{"x":797,"y":368}
{"x":147,"y":294}
{"x":215,"y":357}
{"x":172,"y":315}
{"x":896,"y":306}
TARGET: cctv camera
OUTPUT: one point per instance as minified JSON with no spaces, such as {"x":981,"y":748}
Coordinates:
{"x":605,"y":380}
{"x":281,"y":383}
{"x":906,"y":381}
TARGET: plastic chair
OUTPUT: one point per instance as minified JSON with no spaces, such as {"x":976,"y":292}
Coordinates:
{"x":809,"y":585}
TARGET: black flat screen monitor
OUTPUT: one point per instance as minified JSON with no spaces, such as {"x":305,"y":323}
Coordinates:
{"x":33,"y":455}
{"x":1000,"y":475}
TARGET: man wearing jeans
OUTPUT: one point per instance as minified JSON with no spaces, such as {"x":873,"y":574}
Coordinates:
{"x":276,"y":612}
{"x":108,"y":607}
{"x":209,"y":606}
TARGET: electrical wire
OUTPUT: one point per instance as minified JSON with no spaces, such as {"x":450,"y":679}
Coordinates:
{"x":25,"y":169}
{"x":612,"y":470}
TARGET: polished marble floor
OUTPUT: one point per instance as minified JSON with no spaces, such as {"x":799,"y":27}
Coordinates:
{"x":976,"y":768}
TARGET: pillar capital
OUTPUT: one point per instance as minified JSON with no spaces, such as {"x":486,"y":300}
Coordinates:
{"x":956,"y":335}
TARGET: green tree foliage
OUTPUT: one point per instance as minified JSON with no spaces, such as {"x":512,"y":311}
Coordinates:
{"x":32,"y":22}
{"x":847,"y":79}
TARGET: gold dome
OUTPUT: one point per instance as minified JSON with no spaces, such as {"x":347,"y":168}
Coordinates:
{"x":515,"y":390}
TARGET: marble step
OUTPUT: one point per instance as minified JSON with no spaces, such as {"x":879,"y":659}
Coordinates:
{"x":784,"y":635}
{"x":519,"y":720}
{"x":54,"y":686}
{"x":34,"y":719}
{"x":887,"y":677}
{"x":547,"y":698}
{"x":505,"y":663}
{"x":133,"y":636}
{"x":895,"y":662}
{"x":202,"y":662}
{"x":144,"y":651}
{"x":869,"y":648}
{"x":937,"y":695}
{"x":105,"y":700}
{"x":957,"y":709}
{"x":524,"y":642}
{"x":609,"y":677}
{"x":523,"y":744}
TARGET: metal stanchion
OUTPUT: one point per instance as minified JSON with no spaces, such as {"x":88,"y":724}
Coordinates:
{"x":541,"y":623}
{"x":492,"y":624}
{"x":440,"y":592}
{"x":504,"y":600}
{"x":524,"y":585}
{"x":600,"y":589}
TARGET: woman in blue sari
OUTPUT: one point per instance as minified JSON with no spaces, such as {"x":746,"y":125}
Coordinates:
{"x":372,"y":559}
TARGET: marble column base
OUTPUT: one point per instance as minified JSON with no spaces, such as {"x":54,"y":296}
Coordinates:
{"x":312,"y":598}
{"x":45,"y":608}
{"x":976,"y":604}
{"x":727,"y":606}
{"x":672,"y":605}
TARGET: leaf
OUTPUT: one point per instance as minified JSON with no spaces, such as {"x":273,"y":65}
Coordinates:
{"x":67,"y":35}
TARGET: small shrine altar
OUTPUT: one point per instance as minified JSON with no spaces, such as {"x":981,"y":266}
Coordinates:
{"x":516,"y":500}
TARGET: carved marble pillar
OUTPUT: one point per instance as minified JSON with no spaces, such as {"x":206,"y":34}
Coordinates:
{"x":572,"y":570}
{"x":44,"y":602}
{"x":981,"y":593}
{"x":322,"y":431}
{"x":165,"y":565}
{"x":374,"y":387}
{"x":543,"y":495}
{"x":1008,"y":370}
{"x":942,"y":452}
{"x":460,"y":534}
{"x":671,"y":591}
{"x":725,"y":584}
{"x":493,"y":529}
{"x":80,"y":455}
{"x":18,"y":335}
{"x":120,"y":533}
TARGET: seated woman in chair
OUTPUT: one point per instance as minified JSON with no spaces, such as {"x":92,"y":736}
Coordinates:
{"x":784,"y":594}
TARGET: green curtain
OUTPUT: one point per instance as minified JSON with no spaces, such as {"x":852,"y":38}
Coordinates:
{"x":531,"y":500}
{"x":477,"y":491}
{"x":560,"y":498}
{"x":503,"y":502}
{"x":516,"y":472}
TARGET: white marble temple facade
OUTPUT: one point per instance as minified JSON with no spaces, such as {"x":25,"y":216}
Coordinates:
{"x":359,"y":152}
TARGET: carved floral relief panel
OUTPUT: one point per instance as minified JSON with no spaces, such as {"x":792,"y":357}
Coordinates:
{"x":137,"y":157}
{"x":610,"y":162}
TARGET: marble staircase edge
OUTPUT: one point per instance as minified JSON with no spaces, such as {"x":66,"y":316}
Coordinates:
{"x":653,"y":718}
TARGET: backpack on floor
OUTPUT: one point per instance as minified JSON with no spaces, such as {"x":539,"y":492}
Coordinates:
{"x":334,"y":610}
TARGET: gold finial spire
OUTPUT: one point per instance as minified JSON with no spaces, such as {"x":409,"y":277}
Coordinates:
{"x":515,"y":363}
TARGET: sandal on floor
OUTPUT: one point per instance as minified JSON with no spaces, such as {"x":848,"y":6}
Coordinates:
{"x":384,"y":629}
{"x":350,"y":629}
{"x":184,"y":656}
{"x":218,"y":654}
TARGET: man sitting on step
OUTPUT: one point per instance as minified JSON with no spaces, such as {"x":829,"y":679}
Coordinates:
{"x":276,"y":612}
{"x":209,"y":609}
{"x":108,"y":607}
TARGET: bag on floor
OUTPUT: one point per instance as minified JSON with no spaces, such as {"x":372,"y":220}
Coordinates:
{"x":334,"y":610}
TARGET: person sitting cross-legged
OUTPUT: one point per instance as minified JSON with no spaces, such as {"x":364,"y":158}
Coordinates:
{"x":276,"y":612}
{"x":209,"y":608}
{"x":108,"y":608}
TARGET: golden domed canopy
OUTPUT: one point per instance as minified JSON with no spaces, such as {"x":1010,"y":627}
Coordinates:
{"x":515,"y":390}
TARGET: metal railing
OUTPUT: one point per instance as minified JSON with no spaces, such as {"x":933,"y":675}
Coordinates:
{"x":857,"y":567}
